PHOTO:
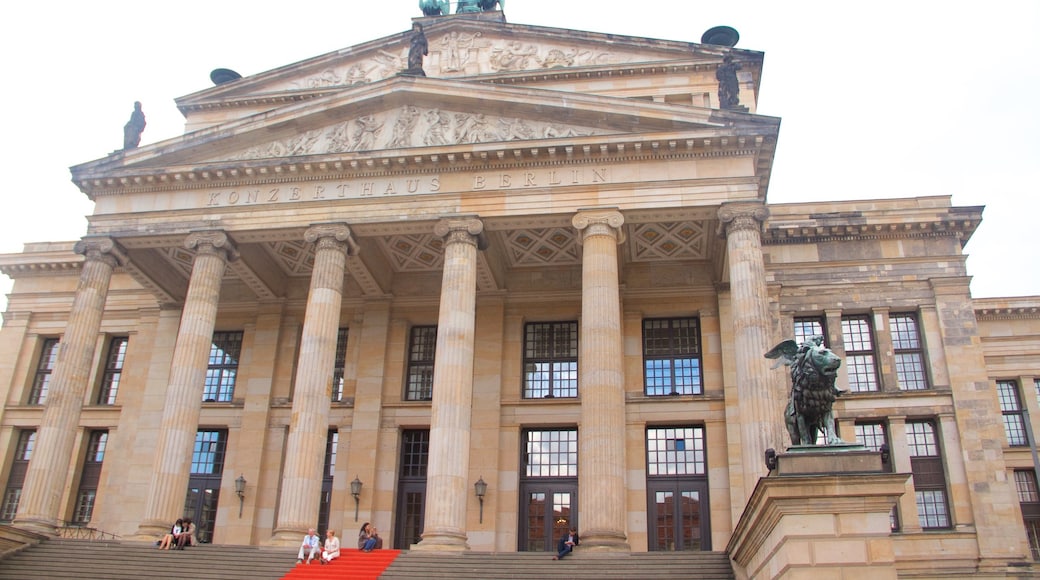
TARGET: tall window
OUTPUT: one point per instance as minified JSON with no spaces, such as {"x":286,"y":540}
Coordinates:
{"x":671,"y":356}
{"x":325,"y":501}
{"x":13,"y":494}
{"x":411,"y":498}
{"x":906,"y":344}
{"x":207,"y":458}
{"x":550,"y":360}
{"x":1011,"y":408}
{"x":551,"y":453}
{"x":675,"y":451}
{"x":928,"y":476}
{"x":1029,"y":500}
{"x":113,"y":370}
{"x":859,"y":353}
{"x":422,"y":351}
{"x":90,"y":477}
{"x":873,"y":435}
{"x":341,"y":365}
{"x":806,"y":327}
{"x":44,"y":368}
{"x":223,"y":367}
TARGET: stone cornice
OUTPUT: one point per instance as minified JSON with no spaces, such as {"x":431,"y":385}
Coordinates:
{"x":1023,"y":312}
{"x":960,"y":228}
{"x":502,"y":155}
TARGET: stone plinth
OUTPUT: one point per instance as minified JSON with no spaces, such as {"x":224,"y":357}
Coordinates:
{"x":818,"y":526}
{"x":832,"y":459}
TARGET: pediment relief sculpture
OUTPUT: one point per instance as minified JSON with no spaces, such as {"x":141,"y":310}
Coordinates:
{"x":411,"y":126}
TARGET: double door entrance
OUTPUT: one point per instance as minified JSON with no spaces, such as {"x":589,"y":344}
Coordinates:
{"x":547,"y":512}
{"x":677,"y":515}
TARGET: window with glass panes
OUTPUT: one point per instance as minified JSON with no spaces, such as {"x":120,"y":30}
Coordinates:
{"x":16,"y":478}
{"x":551,"y":453}
{"x":928,"y":476}
{"x":873,"y":435}
{"x":340,"y":366}
{"x":415,"y":452}
{"x":672,"y":356}
{"x":858,"y":338}
{"x":113,"y":370}
{"x":909,"y":356}
{"x":44,"y":368}
{"x":675,"y":451}
{"x":1011,"y":408}
{"x":207,"y":457}
{"x":422,"y":351}
{"x":222,"y":371}
{"x":806,"y":327}
{"x":1029,"y":502}
{"x":325,"y":499}
{"x":550,"y":360}
{"x":90,"y":477}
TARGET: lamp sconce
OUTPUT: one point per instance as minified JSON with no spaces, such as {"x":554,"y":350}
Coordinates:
{"x":886,"y":455}
{"x":355,"y":490}
{"x":480,"y":488}
{"x":770,"y":459}
{"x":240,"y":491}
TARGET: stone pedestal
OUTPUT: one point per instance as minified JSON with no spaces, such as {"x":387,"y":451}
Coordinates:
{"x":821,"y":525}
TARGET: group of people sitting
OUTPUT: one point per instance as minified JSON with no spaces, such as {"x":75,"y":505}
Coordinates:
{"x":182,"y":535}
{"x":312,"y":546}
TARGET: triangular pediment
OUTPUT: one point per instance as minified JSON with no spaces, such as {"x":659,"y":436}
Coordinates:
{"x":461,"y":48}
{"x":412,"y":115}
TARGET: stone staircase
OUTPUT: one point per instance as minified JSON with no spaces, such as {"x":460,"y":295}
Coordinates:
{"x":63,"y":559}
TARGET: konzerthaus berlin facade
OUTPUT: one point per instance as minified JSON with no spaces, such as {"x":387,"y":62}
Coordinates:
{"x":548,"y":266}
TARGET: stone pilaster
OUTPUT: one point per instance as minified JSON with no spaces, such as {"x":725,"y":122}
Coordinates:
{"x":761,"y":412}
{"x":180,"y":421}
{"x":447,"y":484}
{"x":601,"y":384}
{"x":45,"y":479}
{"x":305,"y":449}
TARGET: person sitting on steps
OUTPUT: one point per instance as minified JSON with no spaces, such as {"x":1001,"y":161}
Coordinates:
{"x":310,"y":546}
{"x":566,"y":545}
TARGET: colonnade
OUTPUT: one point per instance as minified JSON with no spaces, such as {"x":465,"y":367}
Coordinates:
{"x":602,"y":474}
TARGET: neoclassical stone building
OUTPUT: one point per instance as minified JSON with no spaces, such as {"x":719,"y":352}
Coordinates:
{"x":547,"y":266}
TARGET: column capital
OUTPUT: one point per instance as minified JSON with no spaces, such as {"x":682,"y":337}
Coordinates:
{"x":592,"y":222}
{"x":101,"y":248}
{"x":212,"y":241}
{"x":462,"y":229}
{"x":741,"y":216}
{"x":333,"y":235}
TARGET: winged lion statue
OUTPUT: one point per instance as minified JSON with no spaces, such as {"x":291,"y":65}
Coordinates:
{"x":814,"y":369}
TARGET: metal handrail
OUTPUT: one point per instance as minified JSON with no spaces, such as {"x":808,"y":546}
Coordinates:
{"x":72,"y":531}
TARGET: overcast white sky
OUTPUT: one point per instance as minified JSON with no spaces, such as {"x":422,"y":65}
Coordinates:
{"x":878,"y":99}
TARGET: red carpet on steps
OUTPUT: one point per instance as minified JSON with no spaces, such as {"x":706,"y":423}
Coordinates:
{"x":351,"y":565}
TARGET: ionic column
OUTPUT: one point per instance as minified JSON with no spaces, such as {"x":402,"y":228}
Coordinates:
{"x":172,"y":464}
{"x":447,"y":487}
{"x":601,"y":384}
{"x":761,"y":414}
{"x":305,"y":448}
{"x":45,"y":479}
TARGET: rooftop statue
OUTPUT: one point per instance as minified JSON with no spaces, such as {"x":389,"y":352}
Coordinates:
{"x":488,"y":5}
{"x":417,"y":50}
{"x":134,"y":127}
{"x":467,"y":6}
{"x":434,"y":7}
{"x":729,"y":88}
{"x":813,"y":371}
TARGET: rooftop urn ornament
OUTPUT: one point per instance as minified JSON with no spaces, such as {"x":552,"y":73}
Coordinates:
{"x":133,"y":128}
{"x":721,"y":36}
{"x":814,"y":369}
{"x":220,"y":76}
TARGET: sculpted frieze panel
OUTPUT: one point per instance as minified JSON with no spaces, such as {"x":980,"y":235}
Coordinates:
{"x":411,"y":126}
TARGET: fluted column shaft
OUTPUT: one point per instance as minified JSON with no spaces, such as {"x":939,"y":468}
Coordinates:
{"x":761,"y":417}
{"x":601,"y":376}
{"x":48,"y":470}
{"x":180,"y":421}
{"x":308,"y":431}
{"x":447,"y":485}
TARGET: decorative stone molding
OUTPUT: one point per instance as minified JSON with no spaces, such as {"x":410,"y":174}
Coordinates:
{"x":599,"y":222}
{"x":741,"y":217}
{"x":213,"y":241}
{"x":103,"y":249}
{"x":462,"y":230}
{"x":336,"y":236}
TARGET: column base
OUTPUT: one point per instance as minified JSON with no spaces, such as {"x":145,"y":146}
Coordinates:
{"x":441,"y":542}
{"x":37,"y":525}
{"x":287,"y":537}
{"x":603,"y":541}
{"x":149,"y":531}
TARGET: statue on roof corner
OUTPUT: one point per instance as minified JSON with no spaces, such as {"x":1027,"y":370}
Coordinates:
{"x":729,"y":87}
{"x":471,"y":6}
{"x":434,"y":7}
{"x":133,"y":128}
{"x":418,"y":48}
{"x":814,"y":369}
